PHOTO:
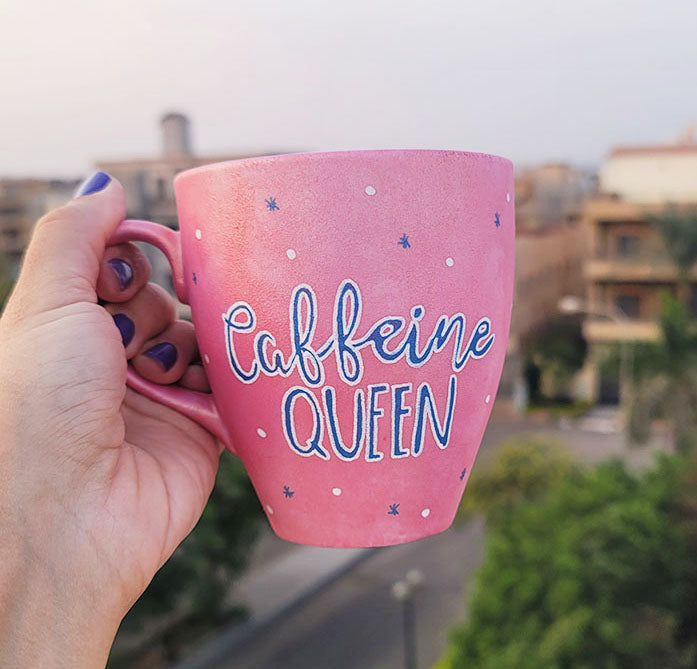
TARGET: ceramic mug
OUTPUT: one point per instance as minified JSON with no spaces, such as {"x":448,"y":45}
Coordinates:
{"x":352,"y":312}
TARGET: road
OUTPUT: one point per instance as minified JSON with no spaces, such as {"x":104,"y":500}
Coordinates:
{"x":355,"y":624}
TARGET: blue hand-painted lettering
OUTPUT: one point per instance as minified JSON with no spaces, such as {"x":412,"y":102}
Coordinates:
{"x":425,"y":402}
{"x":313,"y":445}
{"x":334,"y":433}
{"x":382,"y":337}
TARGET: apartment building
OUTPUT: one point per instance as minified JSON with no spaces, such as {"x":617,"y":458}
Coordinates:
{"x":549,"y":251}
{"x":22,"y":203}
{"x":627,"y":267}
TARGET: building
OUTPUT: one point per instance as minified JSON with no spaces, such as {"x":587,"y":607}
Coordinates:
{"x":627,"y":267}
{"x":148,"y":185}
{"x":22,"y":203}
{"x":549,"y":258}
{"x":653,"y":174}
{"x":549,"y":194}
{"x":148,"y":182}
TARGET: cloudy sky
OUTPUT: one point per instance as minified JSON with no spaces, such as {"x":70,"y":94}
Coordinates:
{"x":534,"y":81}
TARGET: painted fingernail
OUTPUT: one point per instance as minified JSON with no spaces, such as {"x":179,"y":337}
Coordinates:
{"x":126,"y":327}
{"x":94,"y":183}
{"x":165,"y":353}
{"x":123,"y":271}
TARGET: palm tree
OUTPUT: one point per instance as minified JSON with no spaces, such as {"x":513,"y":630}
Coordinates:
{"x":678,"y":228}
{"x":665,"y":379}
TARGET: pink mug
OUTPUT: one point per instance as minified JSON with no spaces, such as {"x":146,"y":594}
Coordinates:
{"x":352,"y":311}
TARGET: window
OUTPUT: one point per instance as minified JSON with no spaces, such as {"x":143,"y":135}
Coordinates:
{"x":628,"y":305}
{"x":628,"y":246}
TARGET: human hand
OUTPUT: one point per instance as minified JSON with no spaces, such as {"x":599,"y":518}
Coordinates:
{"x":98,"y":485}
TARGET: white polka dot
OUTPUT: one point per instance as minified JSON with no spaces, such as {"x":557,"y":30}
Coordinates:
{"x":198,"y":233}
{"x":426,"y":513}
{"x":291,"y":254}
{"x":508,"y":197}
{"x":206,"y":358}
{"x":488,"y":399}
{"x":370,"y":190}
{"x":261,"y":433}
{"x":336,"y":492}
{"x":269,"y":509}
{"x":449,"y":262}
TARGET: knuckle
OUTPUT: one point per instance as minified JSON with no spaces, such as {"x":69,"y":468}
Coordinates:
{"x":157,"y":296}
{"x":67,"y":213}
{"x":183,"y":328}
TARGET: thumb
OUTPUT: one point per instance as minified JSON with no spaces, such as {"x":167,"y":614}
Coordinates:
{"x":61,"y":263}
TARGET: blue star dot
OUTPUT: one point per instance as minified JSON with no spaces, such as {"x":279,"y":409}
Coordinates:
{"x":287,"y":491}
{"x":271,"y":204}
{"x":404,"y":242}
{"x":394,"y":510}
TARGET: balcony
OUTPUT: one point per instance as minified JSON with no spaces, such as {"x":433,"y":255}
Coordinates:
{"x":645,"y":268}
{"x":597,"y":330}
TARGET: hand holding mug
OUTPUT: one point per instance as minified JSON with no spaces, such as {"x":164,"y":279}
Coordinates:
{"x":98,"y":484}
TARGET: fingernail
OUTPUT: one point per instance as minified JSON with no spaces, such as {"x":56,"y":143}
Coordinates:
{"x":165,"y":353}
{"x":126,"y":327}
{"x":98,"y":181}
{"x":123,"y":272}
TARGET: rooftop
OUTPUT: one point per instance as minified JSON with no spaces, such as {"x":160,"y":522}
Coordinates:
{"x":657,"y":149}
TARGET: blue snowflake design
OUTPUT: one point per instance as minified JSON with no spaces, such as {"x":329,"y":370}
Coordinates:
{"x":497,"y":222}
{"x":288,"y":492}
{"x":404,"y":242}
{"x":463,"y":474}
{"x":194,"y":279}
{"x":271,"y":204}
{"x":394,"y":510}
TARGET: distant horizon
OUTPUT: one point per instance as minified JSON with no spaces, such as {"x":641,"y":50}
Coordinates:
{"x":537,"y":82}
{"x":222,"y":155}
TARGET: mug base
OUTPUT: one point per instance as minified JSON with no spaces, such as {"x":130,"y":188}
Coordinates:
{"x":365,"y":540}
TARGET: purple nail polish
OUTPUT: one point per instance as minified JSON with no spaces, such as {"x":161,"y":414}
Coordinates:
{"x":123,"y":271}
{"x":165,"y":353}
{"x":126,"y":327}
{"x":94,"y":183}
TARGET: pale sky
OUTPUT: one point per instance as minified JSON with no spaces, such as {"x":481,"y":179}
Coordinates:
{"x":533,"y":80}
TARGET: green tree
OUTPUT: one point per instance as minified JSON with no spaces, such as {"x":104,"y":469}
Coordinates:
{"x":191,"y":592}
{"x":678,"y":228}
{"x":558,"y":350}
{"x":665,"y":379}
{"x":592,"y":576}
{"x":525,"y":469}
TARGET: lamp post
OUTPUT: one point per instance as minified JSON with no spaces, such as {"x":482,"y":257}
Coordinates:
{"x":403,"y":591}
{"x":570,"y":304}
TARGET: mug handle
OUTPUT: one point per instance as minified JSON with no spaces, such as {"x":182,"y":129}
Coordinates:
{"x":200,"y":407}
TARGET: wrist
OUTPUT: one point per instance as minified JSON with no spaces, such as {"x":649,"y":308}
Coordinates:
{"x":48,"y":621}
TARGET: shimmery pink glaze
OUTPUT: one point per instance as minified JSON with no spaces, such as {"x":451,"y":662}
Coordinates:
{"x":451,"y":205}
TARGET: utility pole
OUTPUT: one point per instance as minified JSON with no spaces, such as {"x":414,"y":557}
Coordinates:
{"x":403,"y":591}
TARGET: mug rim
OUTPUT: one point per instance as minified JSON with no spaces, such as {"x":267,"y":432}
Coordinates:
{"x":310,"y":155}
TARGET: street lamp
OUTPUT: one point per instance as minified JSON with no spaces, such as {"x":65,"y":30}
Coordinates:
{"x":403,"y":591}
{"x":571,"y":304}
